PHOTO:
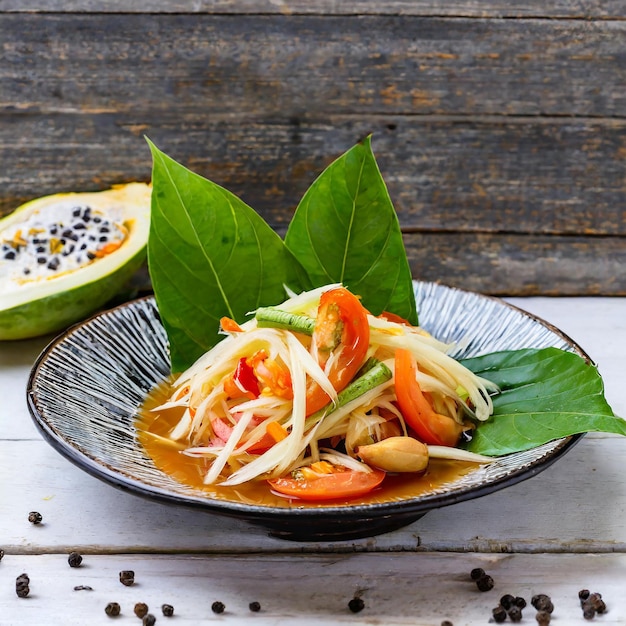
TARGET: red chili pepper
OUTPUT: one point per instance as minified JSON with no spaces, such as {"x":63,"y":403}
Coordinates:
{"x":243,"y":382}
{"x":245,"y":378}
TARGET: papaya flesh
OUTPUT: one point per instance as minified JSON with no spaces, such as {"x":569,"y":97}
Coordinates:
{"x":64,"y":256}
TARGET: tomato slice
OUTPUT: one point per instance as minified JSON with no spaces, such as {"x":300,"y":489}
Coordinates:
{"x":345,"y":483}
{"x":430,"y":427}
{"x":341,"y":330}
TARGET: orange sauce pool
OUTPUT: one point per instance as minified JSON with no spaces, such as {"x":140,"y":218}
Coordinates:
{"x":168,"y":457}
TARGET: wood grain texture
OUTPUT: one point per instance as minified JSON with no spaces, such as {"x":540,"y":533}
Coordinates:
{"x":503,"y":138}
{"x":469,"y":220}
{"x":516,"y":519}
{"x":474,"y":8}
{"x":520,"y":264}
{"x":396,"y":589}
{"x":289,"y":66}
{"x":544,"y":176}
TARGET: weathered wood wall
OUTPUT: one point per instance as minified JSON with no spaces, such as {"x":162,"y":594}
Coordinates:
{"x":500,"y":127}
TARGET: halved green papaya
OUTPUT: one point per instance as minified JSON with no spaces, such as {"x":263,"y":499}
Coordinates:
{"x":62,"y":257}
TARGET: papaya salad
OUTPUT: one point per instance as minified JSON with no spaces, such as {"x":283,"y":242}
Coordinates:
{"x":322,"y":400}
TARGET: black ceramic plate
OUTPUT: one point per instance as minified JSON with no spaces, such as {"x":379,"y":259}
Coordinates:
{"x":86,"y":386}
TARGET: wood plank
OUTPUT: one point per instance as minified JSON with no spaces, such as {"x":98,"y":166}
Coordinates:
{"x":299,"y":65}
{"x":598,"y":325}
{"x":548,"y":513}
{"x":16,"y":361}
{"x":465,"y":8}
{"x":310,"y":590}
{"x":536,"y":175}
{"x":520,"y":265}
{"x":507,"y":265}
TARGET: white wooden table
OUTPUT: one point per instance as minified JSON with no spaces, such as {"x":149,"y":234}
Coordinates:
{"x":556,"y":533}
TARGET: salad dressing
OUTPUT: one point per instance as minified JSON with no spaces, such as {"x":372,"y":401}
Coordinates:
{"x":169,"y":458}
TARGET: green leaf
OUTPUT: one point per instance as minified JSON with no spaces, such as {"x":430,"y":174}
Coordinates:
{"x":346,"y":230}
{"x":210,"y":255}
{"x":546,"y":394}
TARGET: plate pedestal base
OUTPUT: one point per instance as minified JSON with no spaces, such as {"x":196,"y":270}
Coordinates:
{"x":338,"y":529}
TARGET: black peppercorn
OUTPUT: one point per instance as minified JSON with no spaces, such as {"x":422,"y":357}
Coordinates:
{"x":547,"y":606}
{"x":543,"y":618}
{"x":542,"y":602}
{"x":356,"y":604}
{"x":591,"y":603}
{"x":34,"y":517}
{"x":515,"y":613}
{"x":507,"y":601}
{"x":168,"y":610}
{"x":148,"y":620}
{"x":596,"y":601}
{"x":485,"y":583}
{"x":447,"y":622}
{"x":74,"y":559}
{"x":519,"y":602}
{"x":255,"y":607}
{"x":1,"y":554}
{"x":599,"y":607}
{"x":476,"y":573}
{"x":588,"y":611}
{"x":112,"y":609}
{"x":141,"y":609}
{"x":218,"y":607}
{"x":499,"y":614}
{"x":22,"y":585}
{"x":127,"y":577}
